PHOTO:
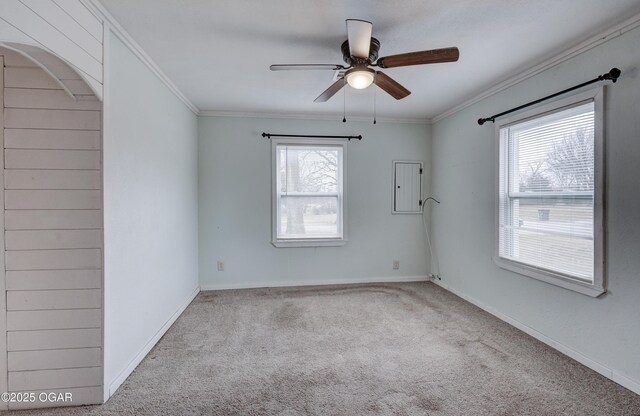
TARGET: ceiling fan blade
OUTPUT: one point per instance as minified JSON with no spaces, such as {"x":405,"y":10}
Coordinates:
{"x":432,"y":56}
{"x":390,"y":86}
{"x":359,"y":36}
{"x":289,"y":67}
{"x":331,"y":91}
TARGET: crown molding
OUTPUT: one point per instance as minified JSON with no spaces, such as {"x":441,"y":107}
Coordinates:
{"x":568,"y":53}
{"x":613,"y":32}
{"x":301,"y":116}
{"x":112,"y":24}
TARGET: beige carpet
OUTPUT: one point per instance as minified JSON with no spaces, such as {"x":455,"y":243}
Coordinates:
{"x":378,"y":349}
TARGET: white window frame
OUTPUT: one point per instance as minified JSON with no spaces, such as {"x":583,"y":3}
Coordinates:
{"x":342,"y":197}
{"x":598,"y":287}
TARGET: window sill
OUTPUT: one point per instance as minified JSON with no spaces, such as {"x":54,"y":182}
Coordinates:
{"x":550,"y":277}
{"x":309,"y":243}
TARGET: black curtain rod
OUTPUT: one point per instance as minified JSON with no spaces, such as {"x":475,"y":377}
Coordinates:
{"x":611,"y":75}
{"x":270,"y":135}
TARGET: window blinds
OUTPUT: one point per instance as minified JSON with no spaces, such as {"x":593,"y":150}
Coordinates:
{"x":309,"y":191}
{"x":546,"y":205}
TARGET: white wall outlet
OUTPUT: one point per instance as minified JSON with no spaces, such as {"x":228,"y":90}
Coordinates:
{"x":396,"y":264}
{"x":220,"y":266}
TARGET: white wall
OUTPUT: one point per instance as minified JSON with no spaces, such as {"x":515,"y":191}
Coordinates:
{"x":603,"y":331}
{"x":235,"y":206}
{"x":150,"y":209}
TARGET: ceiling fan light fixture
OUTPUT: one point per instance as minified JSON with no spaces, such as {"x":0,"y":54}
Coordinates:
{"x":360,"y":52}
{"x":360,"y":78}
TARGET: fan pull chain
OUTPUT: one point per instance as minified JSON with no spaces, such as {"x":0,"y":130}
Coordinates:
{"x":374,"y":98}
{"x":344,"y":101}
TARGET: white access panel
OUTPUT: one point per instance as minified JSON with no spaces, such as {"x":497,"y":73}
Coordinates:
{"x":407,"y":187}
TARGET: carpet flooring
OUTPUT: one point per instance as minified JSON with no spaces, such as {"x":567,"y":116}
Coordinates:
{"x":375,"y":349}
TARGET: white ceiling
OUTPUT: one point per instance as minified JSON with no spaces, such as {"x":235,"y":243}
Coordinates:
{"x":218,"y":52}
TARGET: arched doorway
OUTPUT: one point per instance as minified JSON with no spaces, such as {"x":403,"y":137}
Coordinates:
{"x":51,"y":220}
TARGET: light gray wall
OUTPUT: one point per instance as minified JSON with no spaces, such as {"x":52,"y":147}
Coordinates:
{"x":150,"y":208}
{"x":605,"y":330}
{"x":235,"y":205}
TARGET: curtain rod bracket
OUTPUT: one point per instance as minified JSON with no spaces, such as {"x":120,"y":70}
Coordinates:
{"x":270,"y":135}
{"x":612,"y":76}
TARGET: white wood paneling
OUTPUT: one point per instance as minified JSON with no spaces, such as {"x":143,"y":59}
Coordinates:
{"x":50,"y":33}
{"x":13,"y":58}
{"x":53,"y":259}
{"x":47,"y":379}
{"x":32,"y":77}
{"x":51,"y":63}
{"x":53,"y":339}
{"x":51,"y":159}
{"x":53,"y":279}
{"x":8,"y":31}
{"x":54,"y":359}
{"x":51,"y":179}
{"x":53,"y":219}
{"x":53,"y":227}
{"x":3,"y":298}
{"x":58,"y":68}
{"x":73,"y":30}
{"x":52,"y":239}
{"x":77,"y":87}
{"x":51,"y":119}
{"x":83,"y":16}
{"x":54,"y":319}
{"x":46,"y":199}
{"x":46,"y":99}
{"x":81,"y":396}
{"x":52,"y":139}
{"x":30,"y":300}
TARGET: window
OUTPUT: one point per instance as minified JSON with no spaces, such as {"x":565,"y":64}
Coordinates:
{"x":308,"y":193}
{"x":550,"y":194}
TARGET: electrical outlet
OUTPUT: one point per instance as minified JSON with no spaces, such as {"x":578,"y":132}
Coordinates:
{"x":220,"y":266}
{"x":396,"y":264}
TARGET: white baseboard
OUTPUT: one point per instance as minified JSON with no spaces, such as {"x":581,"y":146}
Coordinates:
{"x":318,"y":282}
{"x":149,"y":345}
{"x":622,"y":380}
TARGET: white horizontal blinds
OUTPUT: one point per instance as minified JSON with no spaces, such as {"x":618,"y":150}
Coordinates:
{"x":547,"y":192}
{"x":309,"y":194}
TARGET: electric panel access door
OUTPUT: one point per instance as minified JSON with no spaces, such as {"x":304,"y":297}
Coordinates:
{"x":407,"y":187}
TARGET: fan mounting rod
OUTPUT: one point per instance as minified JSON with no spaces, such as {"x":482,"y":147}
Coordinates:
{"x":353,"y":61}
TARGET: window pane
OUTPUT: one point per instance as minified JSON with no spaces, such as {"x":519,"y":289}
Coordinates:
{"x":547,"y":179}
{"x":305,"y":174}
{"x":554,"y":234}
{"x":554,"y":152}
{"x":308,"y":169}
{"x":306,"y":217}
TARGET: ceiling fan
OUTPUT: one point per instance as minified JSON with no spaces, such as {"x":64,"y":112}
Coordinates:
{"x":360,"y":52}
